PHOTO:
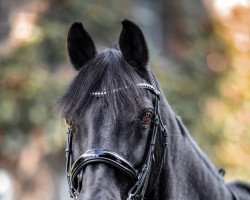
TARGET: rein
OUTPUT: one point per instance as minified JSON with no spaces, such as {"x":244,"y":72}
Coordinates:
{"x":141,"y":177}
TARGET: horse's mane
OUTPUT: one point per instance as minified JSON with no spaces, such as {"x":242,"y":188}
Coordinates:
{"x":106,"y":72}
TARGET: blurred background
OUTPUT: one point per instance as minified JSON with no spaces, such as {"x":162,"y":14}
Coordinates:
{"x":200,"y":52}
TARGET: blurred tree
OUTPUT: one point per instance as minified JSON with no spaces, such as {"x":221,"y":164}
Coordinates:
{"x":228,"y":112}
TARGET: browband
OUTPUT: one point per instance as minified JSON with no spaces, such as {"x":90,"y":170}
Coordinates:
{"x":139,"y":85}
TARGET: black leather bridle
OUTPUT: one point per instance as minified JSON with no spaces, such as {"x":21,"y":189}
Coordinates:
{"x":141,"y":177}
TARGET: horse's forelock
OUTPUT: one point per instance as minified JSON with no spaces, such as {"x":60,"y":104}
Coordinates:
{"x":106,"y":72}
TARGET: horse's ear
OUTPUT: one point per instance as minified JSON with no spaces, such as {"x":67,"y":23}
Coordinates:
{"x":81,"y":47}
{"x":133,"y":44}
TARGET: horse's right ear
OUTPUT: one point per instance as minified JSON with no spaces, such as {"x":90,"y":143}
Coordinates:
{"x":81,"y":47}
{"x":133,"y":45}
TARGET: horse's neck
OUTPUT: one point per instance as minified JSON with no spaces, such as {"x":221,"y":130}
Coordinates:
{"x":188,"y":174}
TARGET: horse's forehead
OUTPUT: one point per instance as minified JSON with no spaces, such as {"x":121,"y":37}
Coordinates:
{"x":99,"y":109}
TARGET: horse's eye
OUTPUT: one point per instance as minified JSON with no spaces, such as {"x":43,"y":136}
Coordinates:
{"x":147,"y":118}
{"x":68,"y":121}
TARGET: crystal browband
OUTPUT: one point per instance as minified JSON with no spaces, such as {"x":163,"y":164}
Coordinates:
{"x":140,"y":85}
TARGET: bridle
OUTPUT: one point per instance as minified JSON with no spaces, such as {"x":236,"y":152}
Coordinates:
{"x":141,"y":177}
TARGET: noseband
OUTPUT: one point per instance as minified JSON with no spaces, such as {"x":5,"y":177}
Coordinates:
{"x":141,"y":177}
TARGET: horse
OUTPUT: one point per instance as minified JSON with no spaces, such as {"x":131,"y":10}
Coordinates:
{"x":124,"y":140}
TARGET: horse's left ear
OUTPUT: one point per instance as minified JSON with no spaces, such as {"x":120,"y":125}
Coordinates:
{"x":133,"y":44}
{"x":81,"y":47}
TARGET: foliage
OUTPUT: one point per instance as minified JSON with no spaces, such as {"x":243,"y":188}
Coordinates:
{"x":228,"y":112}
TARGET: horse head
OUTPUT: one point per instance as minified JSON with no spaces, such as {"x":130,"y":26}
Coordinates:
{"x":112,"y":107}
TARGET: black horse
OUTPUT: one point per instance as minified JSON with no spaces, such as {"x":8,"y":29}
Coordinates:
{"x":124,"y":140}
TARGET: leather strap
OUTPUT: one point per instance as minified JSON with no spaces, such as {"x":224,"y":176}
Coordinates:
{"x":101,"y":156}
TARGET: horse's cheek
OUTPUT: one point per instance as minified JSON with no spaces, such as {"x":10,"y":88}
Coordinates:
{"x":138,"y":146}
